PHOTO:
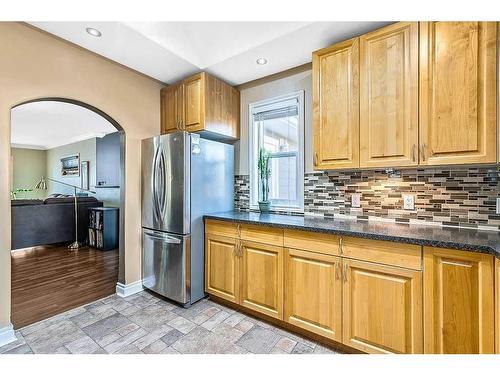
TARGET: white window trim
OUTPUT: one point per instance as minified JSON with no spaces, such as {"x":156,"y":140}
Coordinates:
{"x":254,"y":190}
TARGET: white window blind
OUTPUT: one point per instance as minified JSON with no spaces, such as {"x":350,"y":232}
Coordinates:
{"x":277,"y":125}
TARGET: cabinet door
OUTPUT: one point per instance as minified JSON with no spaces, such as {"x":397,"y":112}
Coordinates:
{"x":458,"y":294}
{"x":108,"y":160}
{"x":313,"y":293}
{"x":382,"y":309}
{"x":336,"y":106}
{"x":169,"y":109}
{"x":262,"y":278}
{"x":497,"y":305}
{"x":235,"y":113}
{"x":222,"y":267}
{"x":458,"y":92}
{"x":389,"y":96}
{"x":193,"y":103}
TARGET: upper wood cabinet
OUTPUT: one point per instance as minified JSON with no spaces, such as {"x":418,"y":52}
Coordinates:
{"x":336,"y":106}
{"x":458,"y":92}
{"x":458,"y":294}
{"x":194,"y":105}
{"x":201,"y":103}
{"x":382,"y":308}
{"x":405,"y":95}
{"x":389,"y":96}
{"x":172,"y":108}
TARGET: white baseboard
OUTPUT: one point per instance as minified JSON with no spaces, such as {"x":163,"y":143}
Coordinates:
{"x":7,"y":335}
{"x":125,"y":290}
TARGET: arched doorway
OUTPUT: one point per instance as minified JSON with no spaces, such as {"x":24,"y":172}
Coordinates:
{"x":101,"y":192}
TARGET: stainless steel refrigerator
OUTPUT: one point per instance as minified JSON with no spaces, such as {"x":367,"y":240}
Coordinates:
{"x":183,"y":178}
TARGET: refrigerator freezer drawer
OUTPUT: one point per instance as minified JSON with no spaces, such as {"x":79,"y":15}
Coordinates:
{"x":166,"y":264}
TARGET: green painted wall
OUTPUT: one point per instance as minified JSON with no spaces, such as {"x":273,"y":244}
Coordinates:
{"x":86,"y":149}
{"x":28,"y":166}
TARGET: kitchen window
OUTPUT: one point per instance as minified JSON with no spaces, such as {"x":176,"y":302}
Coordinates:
{"x":277,"y":125}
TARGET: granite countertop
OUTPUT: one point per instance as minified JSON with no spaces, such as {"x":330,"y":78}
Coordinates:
{"x":425,"y":235}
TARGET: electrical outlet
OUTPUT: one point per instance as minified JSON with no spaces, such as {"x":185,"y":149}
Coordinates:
{"x":356,"y":200}
{"x":408,"y":202}
{"x":498,"y":205}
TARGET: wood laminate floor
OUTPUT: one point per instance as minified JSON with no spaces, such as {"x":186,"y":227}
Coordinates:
{"x":49,"y":280}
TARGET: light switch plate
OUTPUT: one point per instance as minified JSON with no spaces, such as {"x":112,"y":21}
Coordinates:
{"x":498,"y":205}
{"x":408,"y":202}
{"x":356,"y":200}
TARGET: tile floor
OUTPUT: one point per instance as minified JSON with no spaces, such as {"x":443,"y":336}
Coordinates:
{"x":143,"y":323}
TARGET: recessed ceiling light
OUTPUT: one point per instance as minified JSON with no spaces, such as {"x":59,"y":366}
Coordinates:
{"x":93,"y":32}
{"x":261,"y":61}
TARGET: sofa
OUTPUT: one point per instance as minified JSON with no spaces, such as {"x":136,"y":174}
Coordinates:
{"x":36,"y":222}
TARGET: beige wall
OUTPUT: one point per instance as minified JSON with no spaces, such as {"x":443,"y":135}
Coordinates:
{"x":28,"y":166}
{"x":36,"y":65}
{"x":268,"y":90}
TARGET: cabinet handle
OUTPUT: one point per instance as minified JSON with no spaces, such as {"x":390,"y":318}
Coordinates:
{"x":337,"y":271}
{"x":423,"y":151}
{"x":413,"y":148}
{"x":340,"y":246}
{"x":316,"y":158}
{"x":238,"y":235}
{"x":345,"y":272}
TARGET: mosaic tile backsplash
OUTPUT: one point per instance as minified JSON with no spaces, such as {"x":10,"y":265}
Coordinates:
{"x":462,"y":197}
{"x":242,"y":192}
{"x":242,"y":196}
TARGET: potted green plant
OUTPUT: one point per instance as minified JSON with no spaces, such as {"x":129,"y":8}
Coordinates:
{"x":264,"y":169}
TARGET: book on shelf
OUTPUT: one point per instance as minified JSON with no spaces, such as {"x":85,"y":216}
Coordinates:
{"x":99,"y":239}
{"x":91,"y":237}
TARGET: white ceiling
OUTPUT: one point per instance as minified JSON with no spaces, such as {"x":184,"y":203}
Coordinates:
{"x":169,"y":51}
{"x":45,"y":125}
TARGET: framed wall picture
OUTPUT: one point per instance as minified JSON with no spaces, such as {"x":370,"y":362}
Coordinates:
{"x":85,"y":174}
{"x":70,"y":165}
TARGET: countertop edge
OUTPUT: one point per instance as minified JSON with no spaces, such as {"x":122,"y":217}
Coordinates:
{"x":367,"y":235}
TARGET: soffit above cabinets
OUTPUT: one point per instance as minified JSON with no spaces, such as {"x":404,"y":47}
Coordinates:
{"x":170,"y":51}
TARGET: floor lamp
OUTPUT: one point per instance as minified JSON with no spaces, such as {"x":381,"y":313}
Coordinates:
{"x":42,"y":184}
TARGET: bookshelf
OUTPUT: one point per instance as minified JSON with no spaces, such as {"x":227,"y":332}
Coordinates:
{"x":103,"y":228}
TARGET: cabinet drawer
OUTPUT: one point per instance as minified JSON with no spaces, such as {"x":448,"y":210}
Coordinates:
{"x":261,"y":234}
{"x":384,"y":252}
{"x":317,"y":242}
{"x":221,"y":228}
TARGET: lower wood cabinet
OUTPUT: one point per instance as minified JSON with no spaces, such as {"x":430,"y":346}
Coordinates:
{"x":262,"y":278}
{"x":497,"y":305}
{"x":369,"y":295}
{"x":382,"y":308}
{"x":459,"y":297}
{"x":313,"y":292}
{"x":222,"y":275}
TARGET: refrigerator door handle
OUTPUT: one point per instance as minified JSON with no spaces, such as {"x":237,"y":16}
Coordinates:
{"x":162,"y":194}
{"x":158,"y":184}
{"x":162,"y":237}
{"x":153,"y":184}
